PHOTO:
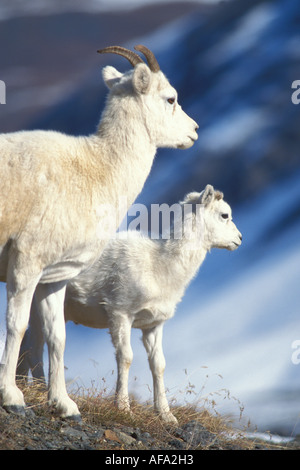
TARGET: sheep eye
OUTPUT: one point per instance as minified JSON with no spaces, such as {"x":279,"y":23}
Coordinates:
{"x":171,"y":100}
{"x":224,"y":216}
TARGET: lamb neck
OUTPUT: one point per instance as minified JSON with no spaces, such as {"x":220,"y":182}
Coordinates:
{"x":184,"y":257}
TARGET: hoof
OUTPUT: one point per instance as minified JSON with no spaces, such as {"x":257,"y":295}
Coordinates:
{"x":168,"y":418}
{"x":15,"y":409}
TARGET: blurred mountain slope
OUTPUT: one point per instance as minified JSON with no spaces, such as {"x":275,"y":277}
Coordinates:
{"x":234,"y":72}
{"x":44,"y":58}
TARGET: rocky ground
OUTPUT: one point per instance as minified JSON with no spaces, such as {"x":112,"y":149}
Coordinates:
{"x":41,"y":432}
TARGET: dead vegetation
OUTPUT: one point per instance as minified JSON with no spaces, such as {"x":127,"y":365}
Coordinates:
{"x":104,"y":427}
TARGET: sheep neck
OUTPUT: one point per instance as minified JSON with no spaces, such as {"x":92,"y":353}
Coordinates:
{"x":185,"y":255}
{"x":129,"y":151}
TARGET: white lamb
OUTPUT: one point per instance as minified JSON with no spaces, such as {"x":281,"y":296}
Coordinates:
{"x":137,"y":283}
{"x":53,"y":188}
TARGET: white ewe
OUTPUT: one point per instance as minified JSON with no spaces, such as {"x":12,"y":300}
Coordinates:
{"x":137,"y":282}
{"x":53,"y":188}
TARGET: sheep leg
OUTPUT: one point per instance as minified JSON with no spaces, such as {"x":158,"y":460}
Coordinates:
{"x":120,"y":332}
{"x":50,"y":302}
{"x":32,"y":347}
{"x":152,"y":339}
{"x":19,"y":298}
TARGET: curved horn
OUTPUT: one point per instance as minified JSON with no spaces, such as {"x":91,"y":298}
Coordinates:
{"x":132,"y":57}
{"x":151,"y":59}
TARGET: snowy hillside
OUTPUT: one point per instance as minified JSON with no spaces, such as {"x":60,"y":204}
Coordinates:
{"x":235,"y":328}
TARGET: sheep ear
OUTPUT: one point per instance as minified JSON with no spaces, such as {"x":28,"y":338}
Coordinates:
{"x":111,"y":76}
{"x":141,"y":79}
{"x":207,"y":195}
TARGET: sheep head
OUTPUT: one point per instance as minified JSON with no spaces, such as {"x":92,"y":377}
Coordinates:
{"x":214,"y":219}
{"x":166,"y":123}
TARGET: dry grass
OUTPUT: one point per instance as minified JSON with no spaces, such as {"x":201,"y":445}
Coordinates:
{"x":98,"y":409}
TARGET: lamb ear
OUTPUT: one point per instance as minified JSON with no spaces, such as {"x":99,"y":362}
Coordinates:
{"x":111,"y":76}
{"x":207,"y":195}
{"x":141,"y":78}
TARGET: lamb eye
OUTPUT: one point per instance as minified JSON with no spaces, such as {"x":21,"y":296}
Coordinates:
{"x":171,"y":100}
{"x":224,"y":216}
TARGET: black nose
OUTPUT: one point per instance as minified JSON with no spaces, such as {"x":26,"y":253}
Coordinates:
{"x":241,"y":236}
